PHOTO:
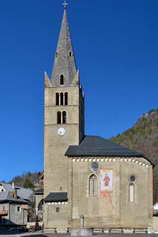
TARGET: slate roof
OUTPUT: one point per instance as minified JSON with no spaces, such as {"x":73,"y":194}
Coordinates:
{"x":3,"y":195}
{"x":13,"y":200}
{"x":63,"y":64}
{"x":56,"y":197}
{"x":23,"y":194}
{"x":98,"y":146}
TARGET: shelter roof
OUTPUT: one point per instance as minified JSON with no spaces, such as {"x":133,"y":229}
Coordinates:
{"x":56,"y":197}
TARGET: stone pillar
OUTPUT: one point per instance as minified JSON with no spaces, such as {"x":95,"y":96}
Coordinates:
{"x":81,"y":221}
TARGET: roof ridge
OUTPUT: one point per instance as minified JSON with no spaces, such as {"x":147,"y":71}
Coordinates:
{"x":99,"y":146}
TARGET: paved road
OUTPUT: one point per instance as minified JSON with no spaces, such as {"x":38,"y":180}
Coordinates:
{"x":96,"y":235}
{"x":65,"y":235}
{"x":33,"y":235}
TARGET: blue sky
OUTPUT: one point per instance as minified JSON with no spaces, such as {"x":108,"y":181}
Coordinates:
{"x":116,"y":49}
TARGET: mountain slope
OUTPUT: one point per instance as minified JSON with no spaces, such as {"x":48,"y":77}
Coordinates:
{"x":143,"y":137}
{"x":28,"y":180}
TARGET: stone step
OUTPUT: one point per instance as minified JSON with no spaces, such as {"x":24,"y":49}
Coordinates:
{"x":116,"y":230}
{"x":141,"y":231}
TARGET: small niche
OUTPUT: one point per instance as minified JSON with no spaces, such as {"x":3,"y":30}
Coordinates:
{"x":57,"y":209}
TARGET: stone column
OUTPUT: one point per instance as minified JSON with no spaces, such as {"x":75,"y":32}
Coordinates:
{"x":81,"y":221}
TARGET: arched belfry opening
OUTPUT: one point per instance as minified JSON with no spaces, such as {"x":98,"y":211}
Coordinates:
{"x":64,"y":117}
{"x":66,"y":98}
{"x":61,"y":99}
{"x":58,"y":117}
{"x":62,"y":79}
{"x":57,"y":98}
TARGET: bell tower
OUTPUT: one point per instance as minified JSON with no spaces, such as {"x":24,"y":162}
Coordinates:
{"x":64,"y":113}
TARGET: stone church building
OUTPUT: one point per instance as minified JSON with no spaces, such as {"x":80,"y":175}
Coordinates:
{"x":88,"y":180}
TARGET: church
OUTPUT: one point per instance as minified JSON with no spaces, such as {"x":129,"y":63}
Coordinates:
{"x":88,"y":180}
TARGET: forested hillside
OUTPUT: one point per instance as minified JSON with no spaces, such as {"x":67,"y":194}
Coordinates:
{"x":28,"y":180}
{"x":143,"y":137}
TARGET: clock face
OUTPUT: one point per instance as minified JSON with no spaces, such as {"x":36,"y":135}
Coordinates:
{"x":61,"y":131}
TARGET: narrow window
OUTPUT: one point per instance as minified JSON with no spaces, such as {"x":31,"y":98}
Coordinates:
{"x":58,"y":117}
{"x":61,"y":99}
{"x":61,"y":80}
{"x":57,"y":98}
{"x":66,"y":98}
{"x":131,"y":192}
{"x":57,"y":209}
{"x":40,"y":205}
{"x":93,"y":185}
{"x":70,"y":54}
{"x":18,"y":209}
{"x":64,"y":117}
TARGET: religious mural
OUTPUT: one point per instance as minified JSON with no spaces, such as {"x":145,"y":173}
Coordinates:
{"x":106,"y":178}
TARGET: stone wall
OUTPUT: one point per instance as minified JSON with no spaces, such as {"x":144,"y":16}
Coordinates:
{"x":56,"y":170}
{"x":114,"y":209}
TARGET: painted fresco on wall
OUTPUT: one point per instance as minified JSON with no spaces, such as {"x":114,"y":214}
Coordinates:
{"x":106,"y":178}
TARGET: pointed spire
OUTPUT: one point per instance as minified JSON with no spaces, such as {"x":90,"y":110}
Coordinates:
{"x":64,"y":69}
{"x":47,"y":81}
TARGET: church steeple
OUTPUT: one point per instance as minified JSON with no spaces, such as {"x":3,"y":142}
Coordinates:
{"x":64,"y":71}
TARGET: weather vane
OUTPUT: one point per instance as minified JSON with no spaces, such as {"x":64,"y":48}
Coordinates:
{"x":65,"y":4}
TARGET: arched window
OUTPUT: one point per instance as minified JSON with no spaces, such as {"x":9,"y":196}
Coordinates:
{"x":132,"y":188}
{"x":93,"y":185}
{"x":66,"y":98}
{"x":61,"y":99}
{"x":58,"y":117}
{"x":61,"y":80}
{"x":57,"y":98}
{"x":70,"y":54}
{"x":40,"y":205}
{"x":64,"y":117}
{"x":131,"y":192}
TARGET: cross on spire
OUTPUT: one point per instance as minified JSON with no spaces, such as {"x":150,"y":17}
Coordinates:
{"x":65,"y":4}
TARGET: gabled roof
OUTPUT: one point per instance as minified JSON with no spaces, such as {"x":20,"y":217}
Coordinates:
{"x":22,"y":193}
{"x":98,"y":146}
{"x":13,"y":200}
{"x":3,"y":195}
{"x":56,"y":197}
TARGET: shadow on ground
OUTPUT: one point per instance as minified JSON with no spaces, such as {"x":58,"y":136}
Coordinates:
{"x":95,"y":235}
{"x":67,"y":235}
